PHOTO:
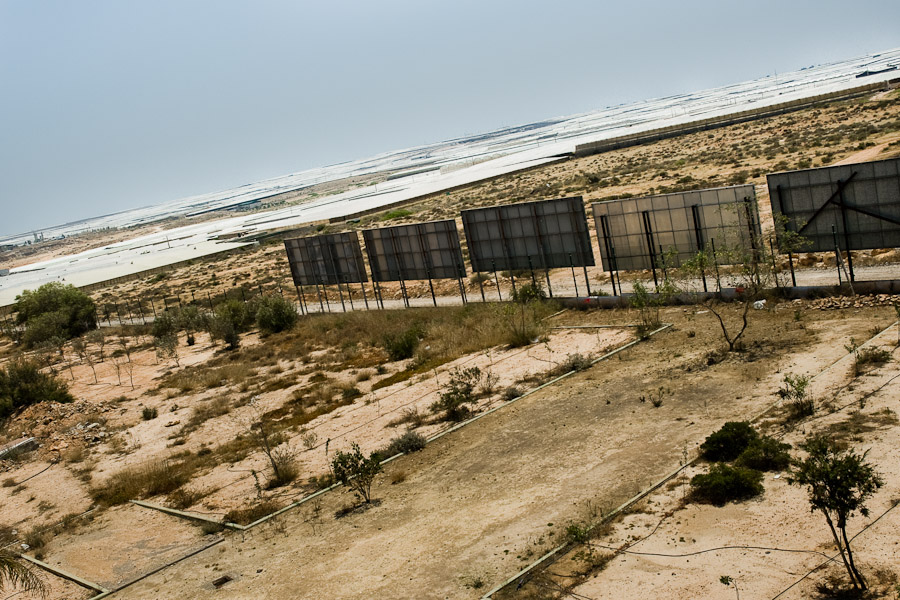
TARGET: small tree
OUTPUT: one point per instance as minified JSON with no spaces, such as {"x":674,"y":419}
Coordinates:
{"x":167,"y":347}
{"x":190,"y":319}
{"x":648,"y":309}
{"x":54,"y":309}
{"x":84,"y":353}
{"x":280,"y":457}
{"x":22,"y":384}
{"x":838,"y":482}
{"x":459,"y":392}
{"x":98,"y":338}
{"x":357,"y":471}
{"x":275,"y":314}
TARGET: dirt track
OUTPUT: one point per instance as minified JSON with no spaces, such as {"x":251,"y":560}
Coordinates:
{"x":477,"y":505}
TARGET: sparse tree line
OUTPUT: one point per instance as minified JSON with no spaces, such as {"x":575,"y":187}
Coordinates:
{"x":57,"y":326}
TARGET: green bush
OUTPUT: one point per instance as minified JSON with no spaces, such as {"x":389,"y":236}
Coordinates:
{"x":724,"y":483}
{"x":403,"y":345}
{"x":228,"y":321}
{"x":164,"y":325}
{"x":22,"y":384}
{"x":728,"y":442}
{"x":357,"y":471}
{"x":459,"y":392}
{"x":148,"y":414}
{"x":275,"y":314}
{"x":765,"y":454}
{"x":237,"y":313}
{"x":54,"y":310}
{"x":529,"y":293}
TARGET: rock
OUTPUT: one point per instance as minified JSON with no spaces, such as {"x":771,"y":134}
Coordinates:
{"x":172,"y":423}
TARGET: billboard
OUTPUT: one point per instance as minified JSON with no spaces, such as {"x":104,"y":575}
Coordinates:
{"x":428,"y":250}
{"x":545,"y":234}
{"x":326,"y":259}
{"x":639,"y":231}
{"x":855,"y":207}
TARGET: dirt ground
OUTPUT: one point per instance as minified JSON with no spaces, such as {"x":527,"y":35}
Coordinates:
{"x":477,"y":505}
{"x":680,"y":550}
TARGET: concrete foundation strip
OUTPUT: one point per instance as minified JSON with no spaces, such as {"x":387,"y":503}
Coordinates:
{"x":640,"y":496}
{"x":65,"y":575}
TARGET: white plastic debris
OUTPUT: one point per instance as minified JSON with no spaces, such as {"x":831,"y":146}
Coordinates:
{"x":759,"y":304}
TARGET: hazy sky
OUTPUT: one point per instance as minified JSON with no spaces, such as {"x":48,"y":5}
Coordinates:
{"x":112,"y":105}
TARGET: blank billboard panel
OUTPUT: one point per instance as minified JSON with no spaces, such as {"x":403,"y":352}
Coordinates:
{"x":858,"y":204}
{"x":546,"y":234}
{"x":326,"y":259}
{"x":640,"y":230}
{"x":418,"y":251}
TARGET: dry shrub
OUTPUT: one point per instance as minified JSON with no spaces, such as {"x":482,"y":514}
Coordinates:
{"x":245,"y":516}
{"x":152,"y":479}
{"x":204,"y":412}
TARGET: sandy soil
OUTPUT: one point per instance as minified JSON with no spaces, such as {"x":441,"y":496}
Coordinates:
{"x":779,"y":520}
{"x":477,"y":505}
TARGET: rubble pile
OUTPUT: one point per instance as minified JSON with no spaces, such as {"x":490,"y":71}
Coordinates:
{"x":844,"y":302}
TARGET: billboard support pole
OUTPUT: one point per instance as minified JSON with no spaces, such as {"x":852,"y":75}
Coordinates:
{"x":791,"y":263}
{"x":574,"y":280}
{"x":319,"y":296}
{"x":837,"y":254}
{"x":610,"y":252}
{"x":350,"y":295}
{"x":662,"y":263}
{"x":614,"y":272}
{"x":341,"y":293}
{"x":300,"y":299}
{"x":531,"y":268}
{"x":327,"y":301}
{"x":378,"y":297}
{"x":846,"y":237}
{"x":362,"y":286}
{"x":712,"y":242}
{"x":774,"y":266}
{"x":587,"y":283}
{"x":430,"y":285}
{"x":648,"y":233}
{"x":698,"y":235}
{"x":141,"y":310}
{"x":496,"y":279}
{"x":540,"y":237}
{"x":462,"y":286}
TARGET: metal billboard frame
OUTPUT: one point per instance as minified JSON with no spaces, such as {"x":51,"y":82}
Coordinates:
{"x":635,"y":233}
{"x":858,"y":203}
{"x":328,"y":259}
{"x":416,"y":251}
{"x":543,"y":234}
